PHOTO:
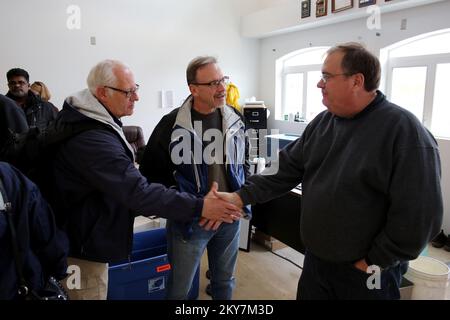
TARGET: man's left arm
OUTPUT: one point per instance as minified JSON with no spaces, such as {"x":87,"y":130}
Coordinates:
{"x":415,"y":209}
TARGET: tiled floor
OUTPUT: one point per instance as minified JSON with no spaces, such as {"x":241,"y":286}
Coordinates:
{"x":261,"y":274}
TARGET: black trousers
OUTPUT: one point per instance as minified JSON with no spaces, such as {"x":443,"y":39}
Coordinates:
{"x":323,"y":280}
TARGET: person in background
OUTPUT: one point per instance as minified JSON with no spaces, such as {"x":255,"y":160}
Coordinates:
{"x":40,"y":89}
{"x":38,"y":112}
{"x":370,"y":174}
{"x":43,"y":247}
{"x":217,"y":133}
{"x":99,"y":189}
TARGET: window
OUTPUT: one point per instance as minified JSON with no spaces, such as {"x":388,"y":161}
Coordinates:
{"x":297,"y":76}
{"x":416,"y":75}
{"x":408,"y":88}
{"x":441,"y":111}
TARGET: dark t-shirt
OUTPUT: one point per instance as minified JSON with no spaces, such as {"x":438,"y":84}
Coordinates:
{"x":213,"y":149}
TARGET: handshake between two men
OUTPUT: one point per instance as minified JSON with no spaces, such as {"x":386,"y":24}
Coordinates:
{"x":220,"y":207}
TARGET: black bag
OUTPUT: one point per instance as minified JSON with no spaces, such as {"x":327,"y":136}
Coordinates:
{"x":53,"y":290}
{"x":28,"y":150}
{"x":33,"y":153}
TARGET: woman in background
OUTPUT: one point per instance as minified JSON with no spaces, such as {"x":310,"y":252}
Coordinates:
{"x":40,"y":89}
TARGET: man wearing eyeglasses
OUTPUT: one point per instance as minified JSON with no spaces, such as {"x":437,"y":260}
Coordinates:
{"x":195,"y":146}
{"x":370,"y":174}
{"x":99,"y":191}
{"x":38,"y":113}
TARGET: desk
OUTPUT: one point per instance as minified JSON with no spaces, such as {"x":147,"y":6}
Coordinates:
{"x":282,"y":140}
{"x":280,"y":218}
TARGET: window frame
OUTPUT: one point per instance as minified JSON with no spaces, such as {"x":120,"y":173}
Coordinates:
{"x":284,"y":71}
{"x":428,"y":61}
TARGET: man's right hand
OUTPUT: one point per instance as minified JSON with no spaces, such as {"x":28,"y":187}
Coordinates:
{"x":219,"y":209}
{"x":230,"y":197}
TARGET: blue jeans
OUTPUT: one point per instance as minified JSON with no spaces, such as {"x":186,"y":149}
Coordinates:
{"x":185,"y":256}
{"x":324,"y":280}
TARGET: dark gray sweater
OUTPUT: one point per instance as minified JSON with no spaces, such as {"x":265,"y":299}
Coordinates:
{"x":371,"y":185}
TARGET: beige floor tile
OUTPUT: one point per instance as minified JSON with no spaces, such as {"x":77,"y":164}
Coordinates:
{"x":260,"y":275}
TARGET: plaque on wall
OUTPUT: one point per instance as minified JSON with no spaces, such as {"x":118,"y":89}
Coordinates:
{"x":306,"y":8}
{"x":365,"y":3}
{"x":321,"y":8}
{"x":341,"y":5}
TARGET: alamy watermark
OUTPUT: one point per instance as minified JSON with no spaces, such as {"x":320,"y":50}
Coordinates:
{"x":73,"y":21}
{"x":215,"y":147}
{"x":374,"y":280}
{"x":73,"y":280}
{"x":373,"y":22}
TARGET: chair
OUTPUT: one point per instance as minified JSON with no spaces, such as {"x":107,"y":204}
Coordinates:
{"x":135,"y":137}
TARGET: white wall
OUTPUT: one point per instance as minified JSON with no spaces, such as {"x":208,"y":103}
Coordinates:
{"x":419,"y":20}
{"x":249,"y":7}
{"x":281,"y":16}
{"x":156,"y":38}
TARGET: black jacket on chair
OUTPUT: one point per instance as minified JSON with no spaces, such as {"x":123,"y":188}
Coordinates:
{"x":135,"y":137}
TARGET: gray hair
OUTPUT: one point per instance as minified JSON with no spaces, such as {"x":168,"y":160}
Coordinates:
{"x":102,"y":74}
{"x":195,"y":64}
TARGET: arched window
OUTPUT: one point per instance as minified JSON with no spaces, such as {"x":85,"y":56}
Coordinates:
{"x":417,"y":71}
{"x":296,"y":86}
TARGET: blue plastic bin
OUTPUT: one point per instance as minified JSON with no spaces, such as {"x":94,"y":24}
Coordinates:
{"x":145,"y":277}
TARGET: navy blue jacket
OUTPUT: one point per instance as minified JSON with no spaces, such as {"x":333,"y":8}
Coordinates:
{"x":42,"y":247}
{"x":100,"y":191}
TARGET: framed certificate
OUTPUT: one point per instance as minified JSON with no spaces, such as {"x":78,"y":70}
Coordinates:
{"x":365,"y":3}
{"x":341,"y":5}
{"x":306,"y":8}
{"x":321,"y":8}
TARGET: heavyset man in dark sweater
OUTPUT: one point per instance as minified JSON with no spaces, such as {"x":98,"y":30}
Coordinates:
{"x":370,"y":175}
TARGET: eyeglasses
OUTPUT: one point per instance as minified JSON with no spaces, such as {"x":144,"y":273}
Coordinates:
{"x":127,"y":93}
{"x":327,"y":76}
{"x":214,"y":84}
{"x":12,"y":83}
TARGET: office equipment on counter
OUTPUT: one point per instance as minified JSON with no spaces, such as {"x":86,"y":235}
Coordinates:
{"x":255,"y":115}
{"x":283,"y":139}
{"x":280,"y":218}
{"x":255,"y":118}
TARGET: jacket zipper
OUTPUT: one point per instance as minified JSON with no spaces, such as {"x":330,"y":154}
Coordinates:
{"x":234,"y":144}
{"x":197,"y":177}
